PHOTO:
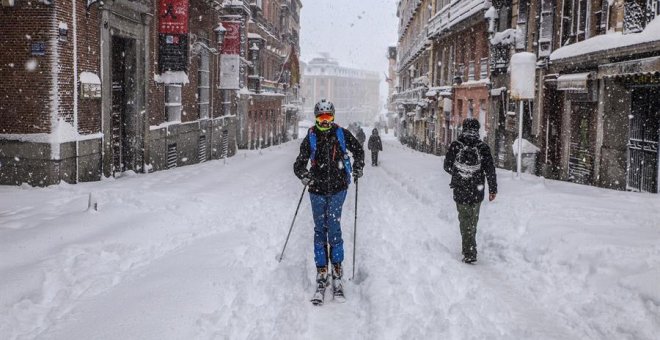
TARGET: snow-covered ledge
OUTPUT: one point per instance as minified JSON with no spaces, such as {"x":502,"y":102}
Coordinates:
{"x":609,"y":41}
{"x":172,"y":77}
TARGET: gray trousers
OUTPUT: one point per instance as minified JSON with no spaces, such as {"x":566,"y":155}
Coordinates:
{"x":468,"y":217}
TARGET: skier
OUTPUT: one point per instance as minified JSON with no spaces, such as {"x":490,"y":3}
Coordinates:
{"x":326,"y":146}
{"x":360,"y":135}
{"x":374,"y":145}
{"x":468,"y":161}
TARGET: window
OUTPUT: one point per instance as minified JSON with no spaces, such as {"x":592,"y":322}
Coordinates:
{"x":546,"y":28}
{"x":203,"y":85}
{"x":173,"y":102}
{"x":566,"y":17}
{"x":522,"y":24}
{"x":582,"y":21}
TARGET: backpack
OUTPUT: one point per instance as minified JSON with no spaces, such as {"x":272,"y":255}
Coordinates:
{"x":468,"y":161}
{"x":346,"y":161}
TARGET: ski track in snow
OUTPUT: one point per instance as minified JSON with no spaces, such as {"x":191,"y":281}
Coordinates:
{"x":192,"y":253}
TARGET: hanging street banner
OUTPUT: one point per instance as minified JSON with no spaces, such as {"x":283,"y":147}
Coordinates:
{"x":229,"y":71}
{"x":232,"y":43}
{"x":173,"y":17}
{"x":230,"y":61}
{"x":173,"y":35}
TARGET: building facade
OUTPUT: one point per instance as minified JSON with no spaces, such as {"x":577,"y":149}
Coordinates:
{"x":354,"y":92}
{"x":594,"y":116}
{"x":95,"y":89}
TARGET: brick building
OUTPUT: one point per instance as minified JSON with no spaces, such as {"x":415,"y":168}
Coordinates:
{"x":94,"y":89}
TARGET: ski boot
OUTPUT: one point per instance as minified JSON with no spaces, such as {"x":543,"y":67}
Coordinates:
{"x":470,"y":259}
{"x":337,"y":284}
{"x":321,"y":283}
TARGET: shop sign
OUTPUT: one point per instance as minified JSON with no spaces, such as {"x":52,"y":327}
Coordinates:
{"x":173,"y":17}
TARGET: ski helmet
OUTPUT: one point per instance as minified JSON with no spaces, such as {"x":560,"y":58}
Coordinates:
{"x":324,"y":106}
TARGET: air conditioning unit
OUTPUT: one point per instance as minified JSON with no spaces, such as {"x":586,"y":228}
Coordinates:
{"x":7,"y":3}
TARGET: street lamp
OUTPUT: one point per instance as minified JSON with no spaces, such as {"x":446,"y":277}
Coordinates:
{"x":220,"y":32}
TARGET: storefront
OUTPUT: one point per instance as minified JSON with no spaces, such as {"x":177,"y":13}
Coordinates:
{"x":639,"y":82}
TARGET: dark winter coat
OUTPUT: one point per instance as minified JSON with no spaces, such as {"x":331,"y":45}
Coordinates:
{"x":471,"y":191}
{"x":327,"y":176}
{"x":375,"y":143}
{"x":361,"y":136}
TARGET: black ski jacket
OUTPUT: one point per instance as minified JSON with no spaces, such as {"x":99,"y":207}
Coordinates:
{"x":328,"y":176}
{"x":471,"y":191}
{"x":374,"y":144}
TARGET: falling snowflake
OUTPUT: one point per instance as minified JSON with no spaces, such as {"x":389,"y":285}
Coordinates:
{"x":31,"y":65}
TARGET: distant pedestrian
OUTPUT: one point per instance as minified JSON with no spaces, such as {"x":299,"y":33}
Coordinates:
{"x":468,"y":161}
{"x":375,"y":145}
{"x":360,"y":135}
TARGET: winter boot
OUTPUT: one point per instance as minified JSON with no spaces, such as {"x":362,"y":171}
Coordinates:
{"x":321,"y":283}
{"x":337,"y":284}
{"x":321,"y":277}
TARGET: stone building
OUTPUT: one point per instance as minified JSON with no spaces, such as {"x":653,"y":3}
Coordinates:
{"x":594,"y":115}
{"x":354,"y":92}
{"x":603,"y":84}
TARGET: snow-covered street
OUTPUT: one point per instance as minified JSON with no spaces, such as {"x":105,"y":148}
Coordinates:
{"x":191,"y":253}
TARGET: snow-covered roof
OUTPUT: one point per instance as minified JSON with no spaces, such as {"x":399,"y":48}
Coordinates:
{"x":610,"y":41}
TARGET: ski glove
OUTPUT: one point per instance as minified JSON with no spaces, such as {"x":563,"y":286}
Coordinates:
{"x":357,"y":173}
{"x":306,"y":179}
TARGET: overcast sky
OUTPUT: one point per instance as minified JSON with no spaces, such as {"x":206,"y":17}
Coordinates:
{"x":355,"y":32}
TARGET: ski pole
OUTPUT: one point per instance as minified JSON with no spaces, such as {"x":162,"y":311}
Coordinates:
{"x":355,"y":227}
{"x":292,"y":222}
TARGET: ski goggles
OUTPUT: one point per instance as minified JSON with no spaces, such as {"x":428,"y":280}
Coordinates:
{"x":325,"y":118}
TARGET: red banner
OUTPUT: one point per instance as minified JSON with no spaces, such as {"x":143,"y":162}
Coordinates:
{"x":173,"y":17}
{"x":232,"y":44}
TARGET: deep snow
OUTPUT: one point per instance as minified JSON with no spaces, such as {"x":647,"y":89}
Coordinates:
{"x":191,"y":253}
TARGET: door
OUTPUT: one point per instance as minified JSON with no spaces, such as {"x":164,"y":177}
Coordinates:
{"x":122,"y":114}
{"x":581,"y":160}
{"x":643,"y":140}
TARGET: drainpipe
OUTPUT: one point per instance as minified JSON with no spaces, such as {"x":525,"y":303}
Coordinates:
{"x":75,"y":84}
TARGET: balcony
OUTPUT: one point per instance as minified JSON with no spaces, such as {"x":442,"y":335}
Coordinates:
{"x":416,"y":47}
{"x":411,"y":8}
{"x":410,"y":97}
{"x":455,"y":13}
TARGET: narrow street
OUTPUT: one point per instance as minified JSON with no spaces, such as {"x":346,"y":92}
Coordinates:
{"x":192,"y":253}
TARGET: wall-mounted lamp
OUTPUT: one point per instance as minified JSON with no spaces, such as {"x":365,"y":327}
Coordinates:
{"x":220,"y":32}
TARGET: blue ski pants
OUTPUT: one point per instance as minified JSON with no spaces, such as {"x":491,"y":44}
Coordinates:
{"x":327,"y":227}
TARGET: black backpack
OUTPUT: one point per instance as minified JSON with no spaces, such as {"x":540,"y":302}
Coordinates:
{"x":468,"y":161}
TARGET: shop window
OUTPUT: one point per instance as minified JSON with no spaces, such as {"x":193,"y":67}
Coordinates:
{"x":173,"y":102}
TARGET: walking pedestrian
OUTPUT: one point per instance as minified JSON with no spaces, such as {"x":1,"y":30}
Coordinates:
{"x":326,"y":146}
{"x":468,"y":161}
{"x":360,"y":135}
{"x":375,"y":145}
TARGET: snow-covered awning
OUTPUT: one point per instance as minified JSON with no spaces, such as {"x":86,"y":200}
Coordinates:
{"x":578,"y":82}
{"x":633,"y":67}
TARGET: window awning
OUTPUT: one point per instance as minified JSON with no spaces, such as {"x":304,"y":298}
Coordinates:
{"x":632,"y":67}
{"x":577,"y":82}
